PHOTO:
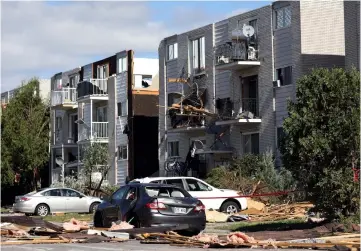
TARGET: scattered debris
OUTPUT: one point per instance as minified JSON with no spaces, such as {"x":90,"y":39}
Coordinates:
{"x":121,"y":225}
{"x":75,"y":225}
{"x":215,"y":216}
{"x":239,"y":237}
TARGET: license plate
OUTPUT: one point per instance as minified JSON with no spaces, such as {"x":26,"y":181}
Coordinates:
{"x":179,"y":210}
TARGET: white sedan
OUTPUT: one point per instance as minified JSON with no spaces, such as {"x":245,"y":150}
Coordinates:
{"x":55,"y":200}
{"x":223,"y":200}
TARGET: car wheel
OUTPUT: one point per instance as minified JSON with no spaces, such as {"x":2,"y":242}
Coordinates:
{"x":98,"y":220}
{"x":230,"y":207}
{"x":93,"y":207}
{"x":42,"y":210}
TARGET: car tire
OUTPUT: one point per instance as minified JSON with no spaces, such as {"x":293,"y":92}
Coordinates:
{"x":230,"y":207}
{"x":42,"y":210}
{"x":98,"y":220}
{"x":93,"y":207}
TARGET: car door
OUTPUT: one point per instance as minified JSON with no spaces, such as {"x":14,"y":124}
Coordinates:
{"x":55,"y":200}
{"x":112,"y":211}
{"x":204,"y":193}
{"x":75,"y":202}
{"x":128,"y":203}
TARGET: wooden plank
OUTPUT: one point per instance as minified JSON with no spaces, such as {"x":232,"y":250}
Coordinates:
{"x":31,"y":242}
{"x":177,"y":80}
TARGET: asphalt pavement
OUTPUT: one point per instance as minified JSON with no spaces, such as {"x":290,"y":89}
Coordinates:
{"x":124,"y":246}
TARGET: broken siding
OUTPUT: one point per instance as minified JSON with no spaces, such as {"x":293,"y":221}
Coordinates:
{"x":122,"y":139}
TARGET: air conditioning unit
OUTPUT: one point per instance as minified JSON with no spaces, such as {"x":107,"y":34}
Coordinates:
{"x":277,"y":83}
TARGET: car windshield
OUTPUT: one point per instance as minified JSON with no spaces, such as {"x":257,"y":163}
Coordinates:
{"x":166,"y":192}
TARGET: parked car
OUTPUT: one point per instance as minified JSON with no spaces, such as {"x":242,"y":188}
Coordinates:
{"x":223,"y":200}
{"x":44,"y":201}
{"x":148,"y":205}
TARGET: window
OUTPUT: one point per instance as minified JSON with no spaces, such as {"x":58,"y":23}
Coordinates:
{"x":280,"y":135}
{"x":122,"y":64}
{"x":73,"y":80}
{"x":103,"y":71}
{"x":119,"y":194}
{"x":142,"y":81}
{"x":197,"y":186}
{"x":175,"y":182}
{"x":283,"y":17}
{"x":122,"y":152}
{"x":173,"y":148}
{"x":122,"y":109}
{"x":73,"y":126}
{"x":174,"y":98}
{"x":165,"y":192}
{"x":70,"y":193}
{"x":172,"y":51}
{"x":53,"y":192}
{"x":58,"y":84}
{"x":58,"y":123}
{"x":198,"y":55}
{"x":146,"y":81}
{"x":102,"y":114}
{"x":284,"y":75}
{"x":251,"y":143}
{"x":131,"y":194}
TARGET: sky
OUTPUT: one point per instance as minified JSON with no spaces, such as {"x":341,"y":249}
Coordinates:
{"x":40,"y":39}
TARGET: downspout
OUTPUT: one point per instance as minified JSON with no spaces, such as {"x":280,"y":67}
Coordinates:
{"x":165,"y":107}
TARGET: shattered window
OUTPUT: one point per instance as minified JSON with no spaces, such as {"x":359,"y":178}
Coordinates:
{"x":165,"y":192}
{"x":122,"y":152}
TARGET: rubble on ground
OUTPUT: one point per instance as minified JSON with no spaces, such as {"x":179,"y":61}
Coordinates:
{"x":75,"y":231}
{"x":121,"y":225}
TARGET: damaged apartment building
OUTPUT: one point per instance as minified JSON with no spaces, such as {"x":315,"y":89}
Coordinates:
{"x":112,"y":101}
{"x":224,"y":87}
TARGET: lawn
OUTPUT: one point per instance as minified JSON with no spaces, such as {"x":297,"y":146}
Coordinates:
{"x":67,"y":217}
{"x":268,"y":225}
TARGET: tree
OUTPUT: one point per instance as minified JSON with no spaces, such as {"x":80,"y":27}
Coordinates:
{"x":321,"y":142}
{"x":25,"y":136}
{"x":96,"y":157}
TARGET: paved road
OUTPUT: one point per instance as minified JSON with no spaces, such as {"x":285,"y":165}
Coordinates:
{"x":125,"y":246}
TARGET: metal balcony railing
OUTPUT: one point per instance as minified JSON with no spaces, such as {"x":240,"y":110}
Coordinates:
{"x":100,"y":130}
{"x":233,"y":52}
{"x":100,"y":86}
{"x":97,"y":131}
{"x":250,"y":105}
{"x":64,"y":96}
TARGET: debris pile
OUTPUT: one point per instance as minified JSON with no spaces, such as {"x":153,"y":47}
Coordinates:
{"x":239,"y":239}
{"x":75,"y":225}
{"x":120,"y":225}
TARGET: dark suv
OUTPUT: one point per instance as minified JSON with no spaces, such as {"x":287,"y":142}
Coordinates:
{"x":148,"y":205}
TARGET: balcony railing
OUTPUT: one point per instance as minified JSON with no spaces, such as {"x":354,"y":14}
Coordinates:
{"x":250,"y":105}
{"x":64,"y":96}
{"x":100,"y":130}
{"x":97,"y":131}
{"x":234,"y":52}
{"x":96,"y":87}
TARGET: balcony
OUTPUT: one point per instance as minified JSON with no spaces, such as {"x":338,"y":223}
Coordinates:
{"x":98,"y":131}
{"x":64,"y":98}
{"x":93,"y":89}
{"x":236,"y":56}
{"x":248,"y":114}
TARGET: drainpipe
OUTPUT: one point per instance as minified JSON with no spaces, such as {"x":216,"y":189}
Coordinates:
{"x":273,"y":89}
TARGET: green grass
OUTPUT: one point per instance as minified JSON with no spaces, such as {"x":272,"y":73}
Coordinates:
{"x":5,"y":210}
{"x":67,"y":217}
{"x":269,"y":225}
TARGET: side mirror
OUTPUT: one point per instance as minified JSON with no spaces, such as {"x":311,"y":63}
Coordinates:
{"x":81,"y":196}
{"x":210,"y":189}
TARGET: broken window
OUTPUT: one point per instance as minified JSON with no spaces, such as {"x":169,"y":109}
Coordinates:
{"x":123,"y":152}
{"x":284,"y":75}
{"x":283,"y":17}
{"x":165,"y":192}
{"x":173,"y":148}
{"x":172,"y":51}
{"x":224,"y":107}
{"x":174,"y":98}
